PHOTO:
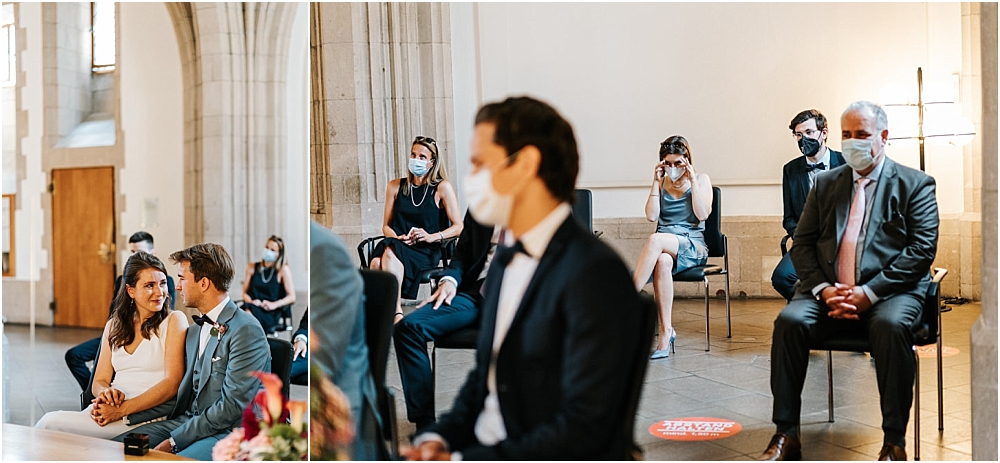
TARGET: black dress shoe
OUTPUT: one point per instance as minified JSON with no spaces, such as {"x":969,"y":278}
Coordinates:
{"x":891,"y":452}
{"x":782,"y":448}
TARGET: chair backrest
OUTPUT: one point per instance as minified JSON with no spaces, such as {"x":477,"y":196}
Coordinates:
{"x":381,"y":291}
{"x":366,"y":248}
{"x":714,"y":238}
{"x":281,"y":361}
{"x":637,"y":377}
{"x":87,"y":396}
{"x":583,"y":209}
{"x":929,"y":330}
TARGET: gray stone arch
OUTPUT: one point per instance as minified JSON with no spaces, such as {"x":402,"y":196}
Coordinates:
{"x":233,"y":58}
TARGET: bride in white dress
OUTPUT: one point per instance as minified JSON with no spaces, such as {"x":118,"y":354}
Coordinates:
{"x":142,"y":348}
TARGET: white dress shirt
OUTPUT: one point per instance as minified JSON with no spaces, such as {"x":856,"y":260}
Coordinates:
{"x":489,"y":258}
{"x":206,"y":329}
{"x":814,"y":172}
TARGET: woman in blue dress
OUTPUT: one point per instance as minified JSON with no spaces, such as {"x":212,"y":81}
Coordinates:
{"x":421,"y":210}
{"x":679,"y":201}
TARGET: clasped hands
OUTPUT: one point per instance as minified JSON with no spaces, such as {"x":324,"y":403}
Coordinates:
{"x":108,"y":406}
{"x":432,"y":450}
{"x":418,"y":235}
{"x":845,"y":302}
{"x":266,"y":305}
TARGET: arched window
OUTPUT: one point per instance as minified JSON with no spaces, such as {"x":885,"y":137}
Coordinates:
{"x":102,"y":31}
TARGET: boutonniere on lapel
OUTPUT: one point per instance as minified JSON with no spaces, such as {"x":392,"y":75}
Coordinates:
{"x":218,"y":329}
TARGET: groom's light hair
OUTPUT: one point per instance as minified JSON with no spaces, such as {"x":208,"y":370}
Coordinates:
{"x":208,"y":260}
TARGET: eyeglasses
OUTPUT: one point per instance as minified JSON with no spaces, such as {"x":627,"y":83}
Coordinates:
{"x":811,"y":133}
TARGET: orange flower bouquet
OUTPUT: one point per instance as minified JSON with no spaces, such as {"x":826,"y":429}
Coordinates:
{"x":273,"y":428}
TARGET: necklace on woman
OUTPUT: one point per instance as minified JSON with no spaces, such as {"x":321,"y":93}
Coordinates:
{"x":415,"y":204}
{"x":263,"y":274}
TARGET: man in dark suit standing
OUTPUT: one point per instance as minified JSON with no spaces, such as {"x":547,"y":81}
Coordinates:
{"x":560,"y":314}
{"x":797,"y":178}
{"x":863,"y":252}
{"x":453,"y":306}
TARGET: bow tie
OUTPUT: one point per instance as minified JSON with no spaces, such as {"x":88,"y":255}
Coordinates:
{"x":504,"y":254}
{"x":818,"y":165}
{"x":202,"y":319}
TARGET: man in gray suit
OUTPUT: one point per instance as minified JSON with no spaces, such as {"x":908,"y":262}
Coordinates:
{"x":338,"y":332}
{"x":221,"y":349}
{"x":863,"y":250}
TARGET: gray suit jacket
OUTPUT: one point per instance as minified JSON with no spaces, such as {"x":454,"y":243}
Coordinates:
{"x":338,"y":325}
{"x":901,"y":239}
{"x":226,"y":386}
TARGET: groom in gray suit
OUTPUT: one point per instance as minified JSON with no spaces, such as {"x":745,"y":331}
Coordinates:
{"x":222,"y":348}
{"x":863,"y":250}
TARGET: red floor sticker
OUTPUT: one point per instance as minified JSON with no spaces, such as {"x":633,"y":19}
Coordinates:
{"x":931,"y":351}
{"x":698,"y":428}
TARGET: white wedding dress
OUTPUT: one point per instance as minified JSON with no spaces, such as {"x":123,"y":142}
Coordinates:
{"x":135,"y":373}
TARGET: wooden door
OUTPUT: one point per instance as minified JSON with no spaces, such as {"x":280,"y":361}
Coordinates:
{"x":83,"y":249}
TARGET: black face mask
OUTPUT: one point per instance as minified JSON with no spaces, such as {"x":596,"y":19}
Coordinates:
{"x":809,"y":146}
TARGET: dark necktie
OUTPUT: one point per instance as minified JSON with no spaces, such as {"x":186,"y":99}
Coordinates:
{"x":202,"y":319}
{"x":818,"y":165}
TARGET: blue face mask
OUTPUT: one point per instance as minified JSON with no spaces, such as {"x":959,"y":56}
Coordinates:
{"x":419,"y":167}
{"x":269,"y":255}
{"x":857,"y":153}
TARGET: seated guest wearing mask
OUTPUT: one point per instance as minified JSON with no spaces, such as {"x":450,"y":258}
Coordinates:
{"x":679,"y":201}
{"x":863,"y":251}
{"x":550,"y":378}
{"x":797,"y":178}
{"x":267,"y":285}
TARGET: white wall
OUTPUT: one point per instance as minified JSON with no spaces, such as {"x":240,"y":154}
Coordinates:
{"x":297,"y":139}
{"x":152,"y":98}
{"x":729,"y":77}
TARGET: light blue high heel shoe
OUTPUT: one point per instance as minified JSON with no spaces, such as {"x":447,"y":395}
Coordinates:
{"x":664,"y":353}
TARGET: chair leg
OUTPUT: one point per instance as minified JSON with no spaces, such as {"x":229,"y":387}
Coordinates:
{"x":393,"y":430}
{"x":729,"y":322}
{"x":707,"y":344}
{"x":829,"y":384}
{"x":434,"y":365}
{"x":916,"y":405}
{"x":940,"y":390}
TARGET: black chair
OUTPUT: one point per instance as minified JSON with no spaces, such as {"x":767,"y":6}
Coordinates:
{"x":638,"y":377}
{"x":281,"y":362}
{"x":87,"y":396}
{"x":926,"y":331}
{"x":381,"y":291}
{"x":784,"y":244}
{"x":717,"y":247}
{"x":286,"y":317}
{"x":583,"y":210}
{"x":424,"y":276}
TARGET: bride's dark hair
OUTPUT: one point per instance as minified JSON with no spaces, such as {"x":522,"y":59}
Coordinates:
{"x":124,"y":312}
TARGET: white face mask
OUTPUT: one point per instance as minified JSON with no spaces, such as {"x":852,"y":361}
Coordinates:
{"x":857,"y":153}
{"x":418,"y":167}
{"x":486,"y":205}
{"x":269,"y":255}
{"x":675,"y":173}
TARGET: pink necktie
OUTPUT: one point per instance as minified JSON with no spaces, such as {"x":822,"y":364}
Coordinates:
{"x":849,"y":242}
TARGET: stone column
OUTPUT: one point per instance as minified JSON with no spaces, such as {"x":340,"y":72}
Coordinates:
{"x":385,"y":78}
{"x":234,"y":57}
{"x":984,"y":331}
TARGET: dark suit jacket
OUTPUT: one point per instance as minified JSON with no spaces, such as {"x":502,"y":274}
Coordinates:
{"x":900,"y":242}
{"x":470,"y":254}
{"x":795,"y":188}
{"x":303,"y":326}
{"x":561,"y":372}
